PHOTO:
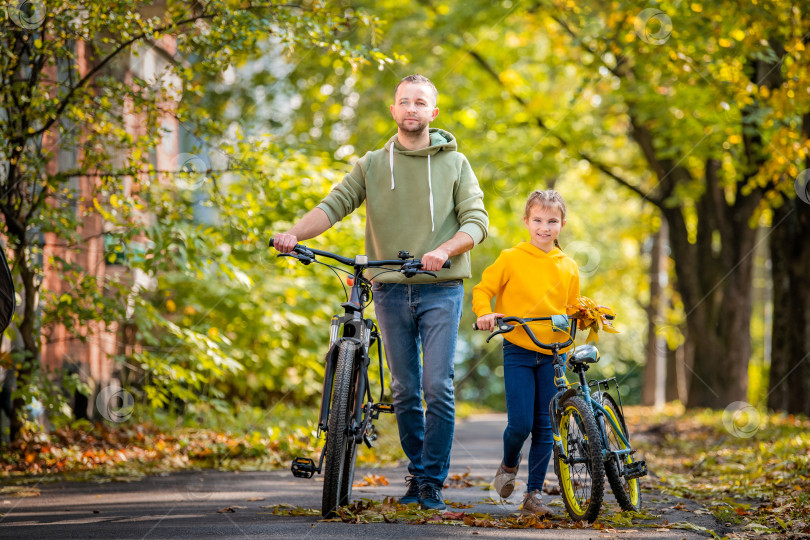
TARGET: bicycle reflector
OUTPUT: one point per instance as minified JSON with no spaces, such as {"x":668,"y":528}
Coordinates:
{"x":350,"y":281}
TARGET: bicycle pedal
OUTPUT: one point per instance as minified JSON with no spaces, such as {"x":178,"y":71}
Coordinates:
{"x":637,"y":469}
{"x":303,"y":467}
{"x":384,"y":407}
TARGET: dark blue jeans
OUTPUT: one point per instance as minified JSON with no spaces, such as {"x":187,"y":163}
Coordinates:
{"x":529,"y":379}
{"x":419,"y":325}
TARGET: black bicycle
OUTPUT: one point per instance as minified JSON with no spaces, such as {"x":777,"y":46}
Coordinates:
{"x":347,"y":406}
{"x":591,"y":439}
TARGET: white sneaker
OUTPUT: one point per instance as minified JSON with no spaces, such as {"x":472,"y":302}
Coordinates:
{"x":533,"y":505}
{"x":504,"y":482}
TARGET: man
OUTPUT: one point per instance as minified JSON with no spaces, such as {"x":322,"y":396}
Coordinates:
{"x":422,"y":197}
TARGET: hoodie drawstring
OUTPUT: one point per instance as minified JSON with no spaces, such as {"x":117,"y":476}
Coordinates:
{"x":430,"y":183}
{"x":391,"y":155}
{"x":430,"y":189}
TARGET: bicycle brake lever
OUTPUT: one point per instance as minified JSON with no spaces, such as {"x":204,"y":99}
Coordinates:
{"x":503,"y":328}
{"x":409,"y":272}
{"x":304,"y":259}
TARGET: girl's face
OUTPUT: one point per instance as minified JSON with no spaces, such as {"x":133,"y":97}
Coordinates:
{"x":544,"y":226}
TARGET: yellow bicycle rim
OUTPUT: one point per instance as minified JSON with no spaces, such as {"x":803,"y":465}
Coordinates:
{"x":632,"y":484}
{"x":565,"y":470}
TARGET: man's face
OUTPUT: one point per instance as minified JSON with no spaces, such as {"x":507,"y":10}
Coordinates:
{"x":414,"y":107}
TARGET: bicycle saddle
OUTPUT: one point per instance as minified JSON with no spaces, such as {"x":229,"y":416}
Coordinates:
{"x":585,"y":354}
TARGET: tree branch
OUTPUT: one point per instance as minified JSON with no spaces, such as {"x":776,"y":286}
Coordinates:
{"x":605,"y":169}
{"x":98,"y":67}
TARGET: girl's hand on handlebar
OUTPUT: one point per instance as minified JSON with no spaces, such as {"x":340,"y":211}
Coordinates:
{"x":284,"y":242}
{"x":487,"y":322}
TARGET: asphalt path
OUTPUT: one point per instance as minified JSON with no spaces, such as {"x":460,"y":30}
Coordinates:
{"x":217,"y":504}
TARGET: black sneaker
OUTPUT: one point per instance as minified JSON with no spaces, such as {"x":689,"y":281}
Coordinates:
{"x":412,"y":495}
{"x":431,"y":496}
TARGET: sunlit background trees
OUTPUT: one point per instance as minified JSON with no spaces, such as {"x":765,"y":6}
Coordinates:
{"x":148,"y":155}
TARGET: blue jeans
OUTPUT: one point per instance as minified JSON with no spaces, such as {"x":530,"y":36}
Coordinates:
{"x":419,"y":325}
{"x":529,"y":379}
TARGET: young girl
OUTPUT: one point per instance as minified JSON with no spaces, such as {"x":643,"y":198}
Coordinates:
{"x":534,"y":279}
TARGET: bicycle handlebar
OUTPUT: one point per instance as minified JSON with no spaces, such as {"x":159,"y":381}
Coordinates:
{"x":308,"y":253}
{"x":504,"y":328}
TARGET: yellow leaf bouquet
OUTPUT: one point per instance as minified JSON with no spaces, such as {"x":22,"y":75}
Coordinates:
{"x":591,"y":316}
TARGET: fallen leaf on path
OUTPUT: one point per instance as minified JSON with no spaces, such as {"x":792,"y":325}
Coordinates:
{"x":290,"y":510}
{"x":465,"y":480}
{"x":372,"y":480}
{"x":20,"y":491}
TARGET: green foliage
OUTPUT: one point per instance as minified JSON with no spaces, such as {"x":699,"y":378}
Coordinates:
{"x":271,"y":110}
{"x":84,"y":135}
{"x":240,"y":438}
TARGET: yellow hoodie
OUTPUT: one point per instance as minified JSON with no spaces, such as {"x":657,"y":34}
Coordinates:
{"x":528,"y":282}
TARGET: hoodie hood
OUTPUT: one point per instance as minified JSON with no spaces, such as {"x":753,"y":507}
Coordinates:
{"x":439,"y":140}
{"x":537,"y":252}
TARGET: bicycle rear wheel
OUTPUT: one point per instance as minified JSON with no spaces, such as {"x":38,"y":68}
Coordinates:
{"x":627,"y":492}
{"x":339,"y":446}
{"x":582,"y":473}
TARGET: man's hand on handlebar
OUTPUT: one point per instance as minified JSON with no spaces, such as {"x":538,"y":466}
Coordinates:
{"x":284,"y":242}
{"x":487,"y":322}
{"x":433,"y":260}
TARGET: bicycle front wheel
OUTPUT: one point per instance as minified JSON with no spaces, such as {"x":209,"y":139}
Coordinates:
{"x":627,"y":492}
{"x":582,"y":471}
{"x":349,"y":461}
{"x":337,"y":479}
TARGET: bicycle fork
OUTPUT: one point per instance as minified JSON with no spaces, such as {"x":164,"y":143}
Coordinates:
{"x":564,"y":391}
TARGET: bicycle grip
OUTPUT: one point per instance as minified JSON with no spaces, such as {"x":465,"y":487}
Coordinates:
{"x":272,"y":240}
{"x":446,"y":264}
{"x":475,"y":326}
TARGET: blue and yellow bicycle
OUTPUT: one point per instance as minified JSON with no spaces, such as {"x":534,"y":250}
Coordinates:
{"x":591,"y":439}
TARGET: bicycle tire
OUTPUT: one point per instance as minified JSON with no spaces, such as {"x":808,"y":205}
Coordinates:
{"x":350,"y":459}
{"x":336,"y":435}
{"x":582,"y":480}
{"x":349,"y":462}
{"x":627,"y":492}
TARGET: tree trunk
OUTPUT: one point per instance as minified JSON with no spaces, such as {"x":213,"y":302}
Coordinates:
{"x":789,"y":384}
{"x":714,"y":278}
{"x":676,"y":375}
{"x":25,"y":368}
{"x":653,"y":391}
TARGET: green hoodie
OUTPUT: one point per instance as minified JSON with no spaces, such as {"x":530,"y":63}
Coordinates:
{"x":416,"y":200}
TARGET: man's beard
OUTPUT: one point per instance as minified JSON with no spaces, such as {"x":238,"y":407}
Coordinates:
{"x":417,"y":127}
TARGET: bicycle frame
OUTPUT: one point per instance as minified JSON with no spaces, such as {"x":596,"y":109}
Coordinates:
{"x":598,"y":449}
{"x":600,"y":413}
{"x":362,"y":332}
{"x":565,"y":389}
